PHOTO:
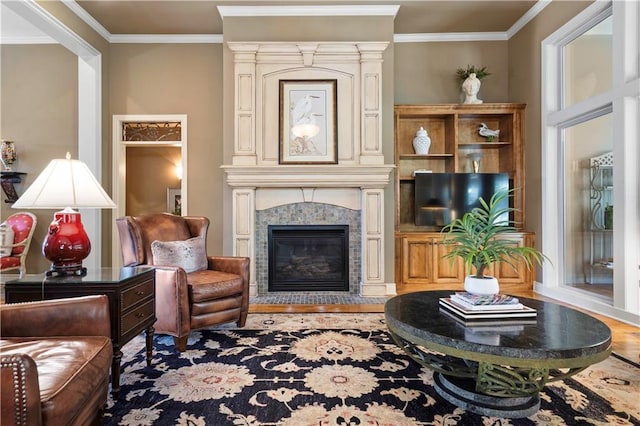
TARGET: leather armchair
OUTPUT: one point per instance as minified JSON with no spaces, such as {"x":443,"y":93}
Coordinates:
{"x":55,"y":358}
{"x":186,"y":301}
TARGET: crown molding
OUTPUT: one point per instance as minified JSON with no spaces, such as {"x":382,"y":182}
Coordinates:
{"x":324,"y":10}
{"x":166,"y":38}
{"x":527,"y":17}
{"x":328,"y":10}
{"x":443,"y":37}
{"x":87,"y":18}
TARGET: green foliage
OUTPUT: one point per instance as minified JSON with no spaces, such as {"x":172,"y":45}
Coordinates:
{"x":481,"y":72}
{"x":477,"y":239}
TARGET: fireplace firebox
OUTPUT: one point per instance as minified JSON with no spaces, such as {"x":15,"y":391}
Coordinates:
{"x":308,"y":257}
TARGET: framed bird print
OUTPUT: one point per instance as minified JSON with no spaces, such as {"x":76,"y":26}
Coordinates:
{"x":308,"y":122}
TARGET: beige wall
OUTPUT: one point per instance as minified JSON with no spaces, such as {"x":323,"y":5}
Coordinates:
{"x":179,"y":79}
{"x":40,"y":113}
{"x":425,"y":73}
{"x":150,"y":172}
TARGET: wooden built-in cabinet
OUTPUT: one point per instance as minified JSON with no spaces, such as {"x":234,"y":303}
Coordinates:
{"x":420,"y":262}
{"x":455,"y":144}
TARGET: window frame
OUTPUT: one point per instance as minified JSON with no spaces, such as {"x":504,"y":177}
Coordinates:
{"x":623,"y":100}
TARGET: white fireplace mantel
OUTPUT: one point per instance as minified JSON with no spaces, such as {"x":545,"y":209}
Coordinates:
{"x":308,"y":176}
{"x":358,"y":179}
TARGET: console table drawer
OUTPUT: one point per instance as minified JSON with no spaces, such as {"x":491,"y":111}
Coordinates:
{"x":141,"y":314}
{"x":136,"y":294}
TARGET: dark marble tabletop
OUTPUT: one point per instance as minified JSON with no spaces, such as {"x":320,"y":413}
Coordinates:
{"x":558,"y":332}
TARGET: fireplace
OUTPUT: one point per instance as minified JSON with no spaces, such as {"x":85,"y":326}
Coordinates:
{"x":355,"y":185}
{"x":308,"y":257}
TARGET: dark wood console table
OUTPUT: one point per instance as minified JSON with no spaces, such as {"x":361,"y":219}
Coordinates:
{"x":131,"y":293}
{"x":496,"y":370}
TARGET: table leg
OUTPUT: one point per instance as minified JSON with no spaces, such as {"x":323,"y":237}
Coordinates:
{"x":115,"y":371}
{"x":461,"y":392}
{"x":149,"y":344}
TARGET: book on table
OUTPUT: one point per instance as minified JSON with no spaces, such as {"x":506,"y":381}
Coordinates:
{"x":486,"y":303}
{"x":473,"y":314}
{"x":501,"y":324}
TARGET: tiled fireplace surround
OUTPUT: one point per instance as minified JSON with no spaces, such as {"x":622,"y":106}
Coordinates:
{"x":351,"y":192}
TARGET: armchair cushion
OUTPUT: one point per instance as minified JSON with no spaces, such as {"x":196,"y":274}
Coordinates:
{"x":226,"y":285}
{"x":190,"y":255}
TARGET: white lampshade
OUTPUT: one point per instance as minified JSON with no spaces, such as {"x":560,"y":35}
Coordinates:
{"x":65,"y":183}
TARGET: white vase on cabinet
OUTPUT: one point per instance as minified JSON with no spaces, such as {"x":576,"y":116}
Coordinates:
{"x":421,"y":142}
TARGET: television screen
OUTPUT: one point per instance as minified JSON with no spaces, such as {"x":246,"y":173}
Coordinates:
{"x":443,"y":197}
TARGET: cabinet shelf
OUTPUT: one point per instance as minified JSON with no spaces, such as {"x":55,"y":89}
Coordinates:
{"x":483,"y":145}
{"x":426,"y":157}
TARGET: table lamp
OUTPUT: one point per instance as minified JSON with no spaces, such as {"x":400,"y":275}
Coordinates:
{"x":66,"y":184}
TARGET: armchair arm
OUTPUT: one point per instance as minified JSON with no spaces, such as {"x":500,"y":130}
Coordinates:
{"x":231,"y":264}
{"x":19,"y":390}
{"x":172,"y":301}
{"x":78,"y":316}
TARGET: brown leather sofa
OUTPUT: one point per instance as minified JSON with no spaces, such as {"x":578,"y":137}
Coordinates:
{"x":55,"y":357}
{"x":217,"y":294}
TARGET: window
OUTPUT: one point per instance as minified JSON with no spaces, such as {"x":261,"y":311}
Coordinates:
{"x":591,"y":98}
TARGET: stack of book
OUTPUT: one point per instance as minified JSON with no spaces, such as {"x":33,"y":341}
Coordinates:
{"x":480,"y":309}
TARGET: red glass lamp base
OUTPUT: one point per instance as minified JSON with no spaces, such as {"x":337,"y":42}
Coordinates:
{"x":67,"y":244}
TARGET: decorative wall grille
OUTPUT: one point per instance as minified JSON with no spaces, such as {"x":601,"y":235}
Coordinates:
{"x":166,"y":131}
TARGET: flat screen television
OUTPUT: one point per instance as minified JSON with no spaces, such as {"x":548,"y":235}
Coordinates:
{"x":443,"y":197}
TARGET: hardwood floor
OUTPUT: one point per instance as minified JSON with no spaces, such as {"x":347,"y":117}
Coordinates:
{"x":626,"y":337}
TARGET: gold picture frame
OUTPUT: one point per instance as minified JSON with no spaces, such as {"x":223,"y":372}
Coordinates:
{"x":308,"y":122}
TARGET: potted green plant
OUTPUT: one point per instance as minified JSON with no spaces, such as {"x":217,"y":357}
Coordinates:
{"x":480,"y":72}
{"x":478,"y":239}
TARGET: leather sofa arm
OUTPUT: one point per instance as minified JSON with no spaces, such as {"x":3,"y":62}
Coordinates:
{"x":78,"y":316}
{"x":231,"y":264}
{"x":19,"y":390}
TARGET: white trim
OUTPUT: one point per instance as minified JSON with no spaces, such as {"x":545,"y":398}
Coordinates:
{"x":119,"y":167}
{"x":90,"y":143}
{"x":87,"y":18}
{"x":33,"y":13}
{"x":587,"y":301}
{"x":527,"y":17}
{"x":442,"y":37}
{"x":166,"y":38}
{"x":335,"y":10}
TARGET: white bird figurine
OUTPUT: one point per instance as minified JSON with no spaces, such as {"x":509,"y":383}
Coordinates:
{"x":487,"y":132}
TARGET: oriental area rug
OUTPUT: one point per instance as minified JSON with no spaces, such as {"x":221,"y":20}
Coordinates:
{"x":331,"y":369}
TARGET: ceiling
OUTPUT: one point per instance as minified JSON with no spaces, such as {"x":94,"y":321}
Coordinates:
{"x":203,"y":17}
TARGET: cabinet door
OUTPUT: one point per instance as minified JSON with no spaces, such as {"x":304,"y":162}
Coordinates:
{"x":506,"y":274}
{"x":417,"y":266}
{"x":444,"y":271}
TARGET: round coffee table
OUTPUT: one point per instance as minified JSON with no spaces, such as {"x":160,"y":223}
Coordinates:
{"x":496,"y":370}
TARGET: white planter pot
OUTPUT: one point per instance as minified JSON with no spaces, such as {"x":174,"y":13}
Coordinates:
{"x":486,"y":285}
